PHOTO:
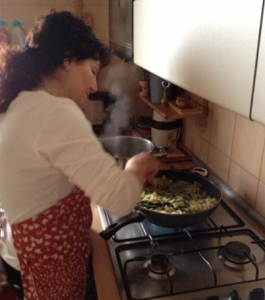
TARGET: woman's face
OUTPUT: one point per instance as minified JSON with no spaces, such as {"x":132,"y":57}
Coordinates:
{"x":82,"y":80}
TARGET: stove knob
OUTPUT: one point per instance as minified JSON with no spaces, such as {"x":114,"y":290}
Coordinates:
{"x":233,"y":296}
{"x":256,"y":294}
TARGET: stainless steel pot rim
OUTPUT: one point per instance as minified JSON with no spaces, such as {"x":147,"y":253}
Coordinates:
{"x":125,"y":137}
{"x":124,"y":147}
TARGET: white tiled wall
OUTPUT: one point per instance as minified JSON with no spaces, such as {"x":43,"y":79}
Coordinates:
{"x":28,"y":10}
{"x":233,"y":147}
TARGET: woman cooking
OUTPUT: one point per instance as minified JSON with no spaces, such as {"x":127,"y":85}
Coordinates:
{"x":51,"y":162}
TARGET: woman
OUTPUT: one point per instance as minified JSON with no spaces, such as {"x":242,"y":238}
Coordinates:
{"x":51,"y":162}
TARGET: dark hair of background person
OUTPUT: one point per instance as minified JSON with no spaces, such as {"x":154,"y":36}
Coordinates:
{"x":56,"y":37}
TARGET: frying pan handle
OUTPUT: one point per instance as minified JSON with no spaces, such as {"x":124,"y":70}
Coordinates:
{"x":133,"y":217}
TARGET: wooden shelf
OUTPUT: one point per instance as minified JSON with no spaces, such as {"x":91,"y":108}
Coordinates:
{"x":170,"y":113}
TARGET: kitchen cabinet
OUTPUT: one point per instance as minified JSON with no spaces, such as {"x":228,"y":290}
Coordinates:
{"x":206,"y":47}
{"x":258,"y":106}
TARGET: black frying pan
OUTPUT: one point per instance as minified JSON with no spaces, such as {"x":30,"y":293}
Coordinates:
{"x":169,"y":220}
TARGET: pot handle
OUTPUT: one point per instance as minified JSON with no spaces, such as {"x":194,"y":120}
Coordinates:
{"x":159,"y":152}
{"x":133,"y":217}
{"x":194,"y":170}
{"x":200,"y":171}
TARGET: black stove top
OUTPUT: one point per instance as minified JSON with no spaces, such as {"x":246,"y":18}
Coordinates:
{"x":221,"y":258}
{"x":190,"y":262}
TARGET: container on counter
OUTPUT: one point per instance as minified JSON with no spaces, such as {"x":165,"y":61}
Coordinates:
{"x":164,"y":132}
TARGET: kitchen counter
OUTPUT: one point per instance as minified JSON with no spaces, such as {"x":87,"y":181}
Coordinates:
{"x":105,"y":279}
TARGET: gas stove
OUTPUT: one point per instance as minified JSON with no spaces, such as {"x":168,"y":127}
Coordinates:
{"x":221,"y":258}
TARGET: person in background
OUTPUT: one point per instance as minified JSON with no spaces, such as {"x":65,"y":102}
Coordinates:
{"x":52,"y":164}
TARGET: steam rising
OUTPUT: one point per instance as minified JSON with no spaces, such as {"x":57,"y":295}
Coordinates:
{"x":119,"y":113}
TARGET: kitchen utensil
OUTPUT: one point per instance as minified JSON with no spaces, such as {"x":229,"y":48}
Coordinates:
{"x":125,"y":147}
{"x":143,"y":85}
{"x":169,"y":220}
{"x":156,"y":88}
{"x":165,"y":99}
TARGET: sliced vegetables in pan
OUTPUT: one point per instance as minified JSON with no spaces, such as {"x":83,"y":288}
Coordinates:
{"x":175,"y":197}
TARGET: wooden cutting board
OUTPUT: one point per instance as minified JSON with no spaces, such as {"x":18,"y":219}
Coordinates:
{"x":178,"y":154}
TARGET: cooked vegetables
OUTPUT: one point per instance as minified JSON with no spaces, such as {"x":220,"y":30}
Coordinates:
{"x":175,"y":197}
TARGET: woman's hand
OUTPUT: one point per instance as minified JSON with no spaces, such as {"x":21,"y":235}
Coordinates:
{"x":144,"y":166}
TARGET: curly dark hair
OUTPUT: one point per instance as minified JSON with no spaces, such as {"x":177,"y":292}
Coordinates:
{"x":54,"y":38}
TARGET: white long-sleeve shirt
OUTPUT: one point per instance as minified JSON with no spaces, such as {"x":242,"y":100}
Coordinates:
{"x":47,"y":146}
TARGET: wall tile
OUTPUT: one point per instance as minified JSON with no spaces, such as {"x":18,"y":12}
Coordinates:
{"x":34,"y":8}
{"x":47,"y":8}
{"x":187,"y":132}
{"x":100,"y":16}
{"x":247,"y":149}
{"x":260,"y":203}
{"x":202,"y":124}
{"x":56,"y":3}
{"x":222,"y":129}
{"x":2,"y":10}
{"x":219,"y":163}
{"x":200,"y":148}
{"x":27,"y":16}
{"x":194,"y":142}
{"x":194,"y":135}
{"x":262,"y":170}
{"x":95,"y":2}
{"x":24,"y":2}
{"x":244,"y":183}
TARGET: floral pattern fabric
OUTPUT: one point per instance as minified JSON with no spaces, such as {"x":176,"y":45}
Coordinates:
{"x":54,"y":248}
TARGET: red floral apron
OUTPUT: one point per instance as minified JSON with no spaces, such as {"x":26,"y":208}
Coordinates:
{"x":54,"y":249}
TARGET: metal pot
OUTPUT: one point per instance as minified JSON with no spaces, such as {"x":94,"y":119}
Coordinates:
{"x":169,"y":220}
{"x":125,"y":147}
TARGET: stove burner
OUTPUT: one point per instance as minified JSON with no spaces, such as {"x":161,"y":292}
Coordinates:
{"x":159,"y":267}
{"x":236,"y":255}
{"x":237,"y":249}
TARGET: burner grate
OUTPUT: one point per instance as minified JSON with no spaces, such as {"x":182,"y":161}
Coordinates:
{"x":194,"y":257}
